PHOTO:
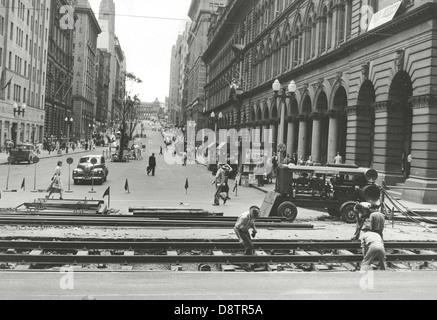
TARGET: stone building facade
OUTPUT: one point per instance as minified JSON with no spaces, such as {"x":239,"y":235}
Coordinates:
{"x":60,"y":67}
{"x":366,"y":87}
{"x":24,"y":38}
{"x":84,"y":81}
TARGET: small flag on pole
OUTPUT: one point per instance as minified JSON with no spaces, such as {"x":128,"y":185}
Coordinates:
{"x":126,"y":186}
{"x":186,"y":186}
{"x":7,"y":85}
{"x":23,"y":185}
{"x":106,"y":194}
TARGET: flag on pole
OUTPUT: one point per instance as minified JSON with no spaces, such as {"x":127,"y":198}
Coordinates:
{"x":7,"y":84}
{"x":186,"y":186}
{"x":23,"y":184}
{"x":107,"y":192}
{"x":126,"y":186}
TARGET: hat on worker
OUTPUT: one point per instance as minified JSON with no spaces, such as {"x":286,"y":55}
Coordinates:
{"x":255,"y":210}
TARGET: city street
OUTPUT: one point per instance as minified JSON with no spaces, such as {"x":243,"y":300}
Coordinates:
{"x":166,"y":189}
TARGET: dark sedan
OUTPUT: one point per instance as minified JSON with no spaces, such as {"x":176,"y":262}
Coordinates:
{"x":87,"y":171}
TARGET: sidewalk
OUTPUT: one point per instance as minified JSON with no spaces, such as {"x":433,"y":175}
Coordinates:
{"x":46,"y":155}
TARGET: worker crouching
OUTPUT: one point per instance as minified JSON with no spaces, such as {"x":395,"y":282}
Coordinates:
{"x":373,"y":249}
{"x":244,"y":223}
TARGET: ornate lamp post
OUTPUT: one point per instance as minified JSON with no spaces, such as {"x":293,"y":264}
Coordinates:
{"x":281,"y":94}
{"x":68,"y":122}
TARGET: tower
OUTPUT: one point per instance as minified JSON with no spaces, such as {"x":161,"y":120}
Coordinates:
{"x":107,"y":12}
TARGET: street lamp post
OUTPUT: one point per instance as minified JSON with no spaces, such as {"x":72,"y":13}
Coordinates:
{"x":277,"y":87}
{"x":216,"y":119}
{"x":19,"y":111}
{"x":68,"y":122}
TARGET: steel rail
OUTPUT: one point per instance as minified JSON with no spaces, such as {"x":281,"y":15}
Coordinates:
{"x":155,"y":216}
{"x":135,"y":222}
{"x":158,"y":259}
{"x":214,"y":245}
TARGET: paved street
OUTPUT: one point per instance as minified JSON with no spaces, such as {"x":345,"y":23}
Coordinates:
{"x":219,"y":286}
{"x":166,"y":189}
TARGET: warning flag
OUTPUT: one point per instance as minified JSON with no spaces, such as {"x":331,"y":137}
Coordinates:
{"x":23,"y":185}
{"x":107,"y":192}
{"x":186,"y":184}
{"x":126,"y":186}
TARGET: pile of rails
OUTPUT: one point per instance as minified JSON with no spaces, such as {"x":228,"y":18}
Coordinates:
{"x":83,"y":206}
{"x":141,"y":218}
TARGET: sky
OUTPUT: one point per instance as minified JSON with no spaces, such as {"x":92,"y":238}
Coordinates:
{"x":147,"y":41}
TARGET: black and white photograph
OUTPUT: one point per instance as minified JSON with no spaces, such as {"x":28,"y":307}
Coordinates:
{"x":218,"y":158}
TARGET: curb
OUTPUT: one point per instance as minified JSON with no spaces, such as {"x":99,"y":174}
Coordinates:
{"x":260,"y":189}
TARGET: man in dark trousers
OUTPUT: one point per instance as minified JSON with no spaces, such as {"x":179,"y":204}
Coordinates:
{"x":244,"y":223}
{"x":152,"y":165}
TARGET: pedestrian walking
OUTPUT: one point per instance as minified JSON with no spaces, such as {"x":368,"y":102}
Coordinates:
{"x":377,"y":223}
{"x":244,"y":223}
{"x":160,"y":151}
{"x":152,"y":165}
{"x":373,"y":249}
{"x":259,"y":172}
{"x":56,"y":184}
{"x":228,"y":169}
{"x":219,"y":182}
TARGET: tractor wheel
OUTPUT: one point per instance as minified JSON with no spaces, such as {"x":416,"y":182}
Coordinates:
{"x":348,"y":214}
{"x":288,"y":210}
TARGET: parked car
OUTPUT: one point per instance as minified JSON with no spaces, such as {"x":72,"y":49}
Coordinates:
{"x":87,"y":171}
{"x":23,"y":153}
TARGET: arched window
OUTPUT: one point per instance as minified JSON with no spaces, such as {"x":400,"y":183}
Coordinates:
{"x":330,"y":29}
{"x":323,"y":29}
{"x":308,"y":40}
{"x":341,"y":23}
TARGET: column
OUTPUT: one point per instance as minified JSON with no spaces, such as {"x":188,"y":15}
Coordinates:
{"x":424,"y":164}
{"x":302,"y":150}
{"x":274,"y":136}
{"x":291,"y":137}
{"x":333,"y":136}
{"x":316,"y":143}
{"x":282,"y":123}
{"x":266,"y":133}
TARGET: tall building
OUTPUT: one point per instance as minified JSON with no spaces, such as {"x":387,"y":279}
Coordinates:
{"x":109,"y":41}
{"x":175,"y":66}
{"x":200,"y":13}
{"x":60,"y":67}
{"x":118,"y":76}
{"x":24,"y":37}
{"x":84,"y":81}
{"x":365,"y":83}
{"x":103,"y":68}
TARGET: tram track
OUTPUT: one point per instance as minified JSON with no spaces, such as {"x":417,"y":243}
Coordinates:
{"x":295,"y":256}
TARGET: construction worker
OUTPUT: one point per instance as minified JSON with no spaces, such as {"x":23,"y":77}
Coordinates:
{"x":363,"y":211}
{"x":373,"y":249}
{"x":377,"y":223}
{"x":244,"y":223}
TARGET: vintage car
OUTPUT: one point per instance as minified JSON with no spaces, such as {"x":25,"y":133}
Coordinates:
{"x":335,"y":188}
{"x":87,"y":171}
{"x":23,"y":153}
